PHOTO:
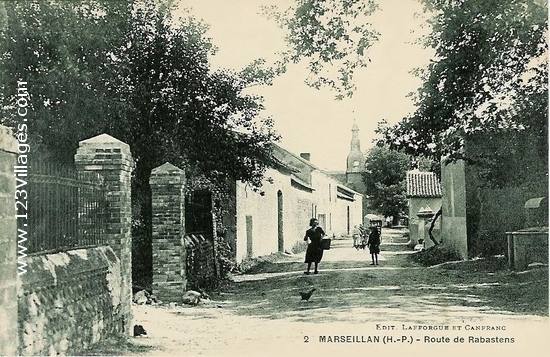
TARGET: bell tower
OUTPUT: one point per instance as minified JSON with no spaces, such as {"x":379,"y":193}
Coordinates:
{"x":356,"y":159}
{"x":355,"y":162}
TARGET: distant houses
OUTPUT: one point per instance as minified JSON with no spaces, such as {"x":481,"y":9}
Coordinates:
{"x":275,"y":218}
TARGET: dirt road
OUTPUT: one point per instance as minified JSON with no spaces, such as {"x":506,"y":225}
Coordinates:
{"x":357,"y":309}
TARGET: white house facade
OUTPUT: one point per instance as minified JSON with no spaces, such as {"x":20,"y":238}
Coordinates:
{"x":275,"y":218}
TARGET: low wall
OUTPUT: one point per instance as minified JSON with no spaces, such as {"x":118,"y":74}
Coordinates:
{"x":69,"y":301}
{"x":526,"y":247}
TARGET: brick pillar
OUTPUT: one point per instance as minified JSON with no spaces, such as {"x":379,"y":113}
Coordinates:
{"x":169,"y":255}
{"x":112,"y":159}
{"x":8,"y":245}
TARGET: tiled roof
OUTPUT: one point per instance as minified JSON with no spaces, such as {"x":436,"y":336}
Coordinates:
{"x":422,"y":184}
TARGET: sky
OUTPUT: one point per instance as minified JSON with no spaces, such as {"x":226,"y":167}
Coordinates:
{"x":311,"y":120}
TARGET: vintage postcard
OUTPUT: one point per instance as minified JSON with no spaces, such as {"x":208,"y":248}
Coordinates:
{"x":274,"y":178}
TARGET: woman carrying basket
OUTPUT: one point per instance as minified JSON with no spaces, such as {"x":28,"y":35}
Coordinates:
{"x":314,"y":252}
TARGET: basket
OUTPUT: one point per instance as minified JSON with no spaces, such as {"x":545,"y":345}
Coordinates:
{"x":325,"y":243}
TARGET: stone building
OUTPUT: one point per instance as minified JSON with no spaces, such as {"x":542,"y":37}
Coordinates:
{"x":275,"y":218}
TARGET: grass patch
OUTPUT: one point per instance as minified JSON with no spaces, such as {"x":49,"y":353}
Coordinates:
{"x":257,"y":264}
{"x":489,"y":264}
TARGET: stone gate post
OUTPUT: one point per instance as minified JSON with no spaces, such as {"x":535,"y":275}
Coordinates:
{"x":453,"y":204}
{"x":112,"y":159}
{"x":8,"y":245}
{"x":169,"y":255}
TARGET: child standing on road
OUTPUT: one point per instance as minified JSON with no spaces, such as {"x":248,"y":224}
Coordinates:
{"x":374,"y":244}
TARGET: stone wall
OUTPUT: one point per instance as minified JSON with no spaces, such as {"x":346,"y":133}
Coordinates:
{"x":65,"y":302}
{"x":69,"y":301}
{"x":8,"y":245}
{"x":527,"y":247}
{"x":496,"y":192}
{"x":494,"y":211}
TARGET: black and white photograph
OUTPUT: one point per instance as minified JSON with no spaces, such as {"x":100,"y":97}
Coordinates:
{"x":225,"y":178}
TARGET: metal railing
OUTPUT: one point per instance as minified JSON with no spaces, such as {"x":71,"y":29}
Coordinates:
{"x":66,"y":210}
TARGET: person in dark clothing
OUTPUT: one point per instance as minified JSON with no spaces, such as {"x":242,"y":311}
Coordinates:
{"x":374,"y":244}
{"x":314,"y":252}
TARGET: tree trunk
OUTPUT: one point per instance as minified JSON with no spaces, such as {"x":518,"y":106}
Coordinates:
{"x":432,"y":225}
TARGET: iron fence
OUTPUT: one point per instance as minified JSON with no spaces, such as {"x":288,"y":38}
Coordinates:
{"x":66,"y":209}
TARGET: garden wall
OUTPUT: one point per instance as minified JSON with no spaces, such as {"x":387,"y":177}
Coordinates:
{"x":62,"y":303}
{"x":69,"y":301}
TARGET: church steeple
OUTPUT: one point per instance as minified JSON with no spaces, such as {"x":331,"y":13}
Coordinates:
{"x":356,"y":159}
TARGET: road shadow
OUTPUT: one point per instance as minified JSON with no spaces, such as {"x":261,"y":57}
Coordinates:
{"x":345,"y":287}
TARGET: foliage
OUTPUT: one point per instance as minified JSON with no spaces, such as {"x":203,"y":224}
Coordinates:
{"x":128,"y":69}
{"x":489,"y":80}
{"x":63,"y":52}
{"x":330,"y":34}
{"x":253,"y":265}
{"x":225,"y":255}
{"x":434,"y":255}
{"x":385,"y":181}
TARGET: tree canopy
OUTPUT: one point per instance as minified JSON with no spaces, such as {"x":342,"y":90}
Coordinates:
{"x":333,"y":35}
{"x":487,"y":84}
{"x":127,"y":68}
{"x":385,"y":181}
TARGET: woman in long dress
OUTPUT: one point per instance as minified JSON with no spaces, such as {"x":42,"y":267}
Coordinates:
{"x":314,"y":252}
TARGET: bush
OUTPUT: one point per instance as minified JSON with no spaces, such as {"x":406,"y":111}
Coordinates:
{"x":299,"y":247}
{"x":246,"y":264}
{"x":435,"y":255}
{"x":225,"y":255}
{"x":488,"y":243}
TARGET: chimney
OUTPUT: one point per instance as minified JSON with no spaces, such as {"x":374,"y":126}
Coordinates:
{"x":305,"y":155}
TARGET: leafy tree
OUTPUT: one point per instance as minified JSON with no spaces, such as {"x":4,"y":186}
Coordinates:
{"x":385,"y":181}
{"x":62,"y":51}
{"x":485,"y":100}
{"x":488,"y":84}
{"x":127,"y":68}
{"x":333,"y":35}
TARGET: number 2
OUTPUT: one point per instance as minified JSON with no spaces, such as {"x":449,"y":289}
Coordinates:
{"x":23,"y":204}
